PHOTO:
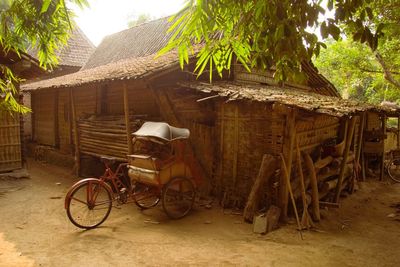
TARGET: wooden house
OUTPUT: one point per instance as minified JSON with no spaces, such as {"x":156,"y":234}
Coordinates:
{"x":233,"y":122}
{"x":71,"y":59}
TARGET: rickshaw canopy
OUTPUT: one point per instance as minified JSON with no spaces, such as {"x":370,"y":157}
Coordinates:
{"x":162,"y":130}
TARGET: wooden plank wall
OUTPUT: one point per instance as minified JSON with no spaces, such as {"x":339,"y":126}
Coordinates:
{"x":10,"y":142}
{"x":44,"y":108}
{"x":65,"y":122}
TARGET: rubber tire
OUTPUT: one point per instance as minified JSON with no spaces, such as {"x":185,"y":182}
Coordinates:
{"x":168,"y":187}
{"x":83,"y":186}
{"x":141,"y":205}
{"x":392,"y":175}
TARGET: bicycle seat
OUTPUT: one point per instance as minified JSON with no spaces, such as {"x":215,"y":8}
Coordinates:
{"x":108,"y":160}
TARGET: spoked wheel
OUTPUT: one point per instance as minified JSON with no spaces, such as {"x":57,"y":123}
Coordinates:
{"x":145,"y":196}
{"x":89,"y":204}
{"x":178,"y":197}
{"x":394,"y":170}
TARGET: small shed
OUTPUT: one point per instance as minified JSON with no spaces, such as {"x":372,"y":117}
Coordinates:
{"x":11,"y":152}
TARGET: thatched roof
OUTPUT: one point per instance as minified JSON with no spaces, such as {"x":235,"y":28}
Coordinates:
{"x":139,"y":41}
{"x":133,"y":68}
{"x":309,"y":101}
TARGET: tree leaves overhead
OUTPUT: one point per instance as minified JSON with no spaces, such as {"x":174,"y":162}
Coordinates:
{"x":263,"y":33}
{"x":40,"y":25}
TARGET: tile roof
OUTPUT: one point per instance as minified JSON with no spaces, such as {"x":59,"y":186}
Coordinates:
{"x":76,"y":52}
{"x":139,"y":41}
{"x":308,"y":101}
{"x":133,"y":68}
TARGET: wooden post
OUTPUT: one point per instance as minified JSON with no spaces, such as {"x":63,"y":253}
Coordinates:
{"x":398,"y":132}
{"x":348,"y":139}
{"x":383,"y":143}
{"x":77,"y":156}
{"x":267,"y":169}
{"x":360,"y":143}
{"x":314,"y":186}
{"x":289,"y":186}
{"x":306,"y":220}
{"x":235,"y":147}
{"x":290,"y":134}
{"x":127,"y":122}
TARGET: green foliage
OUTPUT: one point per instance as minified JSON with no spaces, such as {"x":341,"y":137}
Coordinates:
{"x":41,"y":25}
{"x":142,"y":18}
{"x":353,"y":69}
{"x":259,"y":33}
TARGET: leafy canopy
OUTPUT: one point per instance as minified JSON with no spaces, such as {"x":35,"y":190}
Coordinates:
{"x":265,"y":33}
{"x":41,"y":25}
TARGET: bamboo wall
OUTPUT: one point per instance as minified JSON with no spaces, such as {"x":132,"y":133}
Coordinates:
{"x":10,"y":142}
{"x":44,"y":106}
{"x":246,"y":132}
{"x":315,"y":130}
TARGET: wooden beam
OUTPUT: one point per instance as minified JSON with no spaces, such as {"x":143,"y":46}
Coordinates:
{"x":77,"y":157}
{"x":348,"y":139}
{"x":398,"y":132}
{"x":56,"y":119}
{"x":267,"y":169}
{"x":314,"y":186}
{"x":360,"y":142}
{"x":288,"y":145}
{"x":383,"y":153}
{"x":289,"y":186}
{"x":127,"y":122}
{"x":235,"y":147}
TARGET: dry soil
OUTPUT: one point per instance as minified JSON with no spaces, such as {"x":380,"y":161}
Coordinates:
{"x":35,"y":231}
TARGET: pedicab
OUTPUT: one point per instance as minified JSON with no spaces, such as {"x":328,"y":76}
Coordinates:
{"x":159,"y":170}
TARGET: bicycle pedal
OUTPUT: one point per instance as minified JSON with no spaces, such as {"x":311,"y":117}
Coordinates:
{"x":122,"y":190}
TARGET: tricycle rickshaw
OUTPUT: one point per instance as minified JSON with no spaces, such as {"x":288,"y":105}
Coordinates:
{"x":159,"y":169}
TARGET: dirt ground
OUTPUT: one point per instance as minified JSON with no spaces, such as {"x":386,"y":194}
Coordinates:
{"x":35,"y":231}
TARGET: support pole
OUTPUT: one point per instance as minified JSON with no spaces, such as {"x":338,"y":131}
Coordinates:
{"x":314,"y":186}
{"x":383,"y":150}
{"x":360,"y":141}
{"x":77,"y":156}
{"x":348,"y":139}
{"x":127,"y":122}
{"x":290,"y":134}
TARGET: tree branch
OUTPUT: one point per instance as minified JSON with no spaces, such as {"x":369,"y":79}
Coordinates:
{"x":378,"y":71}
{"x":387,"y":73}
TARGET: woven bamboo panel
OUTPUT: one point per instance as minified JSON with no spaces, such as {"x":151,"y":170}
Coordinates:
{"x":105,"y":135}
{"x":10,"y":142}
{"x":373,"y":121}
{"x":248,"y":131}
{"x":316,"y":130}
{"x":44,"y":117}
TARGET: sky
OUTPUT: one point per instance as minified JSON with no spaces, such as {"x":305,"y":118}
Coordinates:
{"x":105,"y":17}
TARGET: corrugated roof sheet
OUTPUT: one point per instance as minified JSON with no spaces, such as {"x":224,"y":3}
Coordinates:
{"x":139,"y":41}
{"x":308,"y":101}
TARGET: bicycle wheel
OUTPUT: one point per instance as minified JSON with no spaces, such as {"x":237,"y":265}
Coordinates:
{"x":145,"y":196}
{"x":89,"y":204}
{"x":393,"y":169}
{"x":178,"y":197}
